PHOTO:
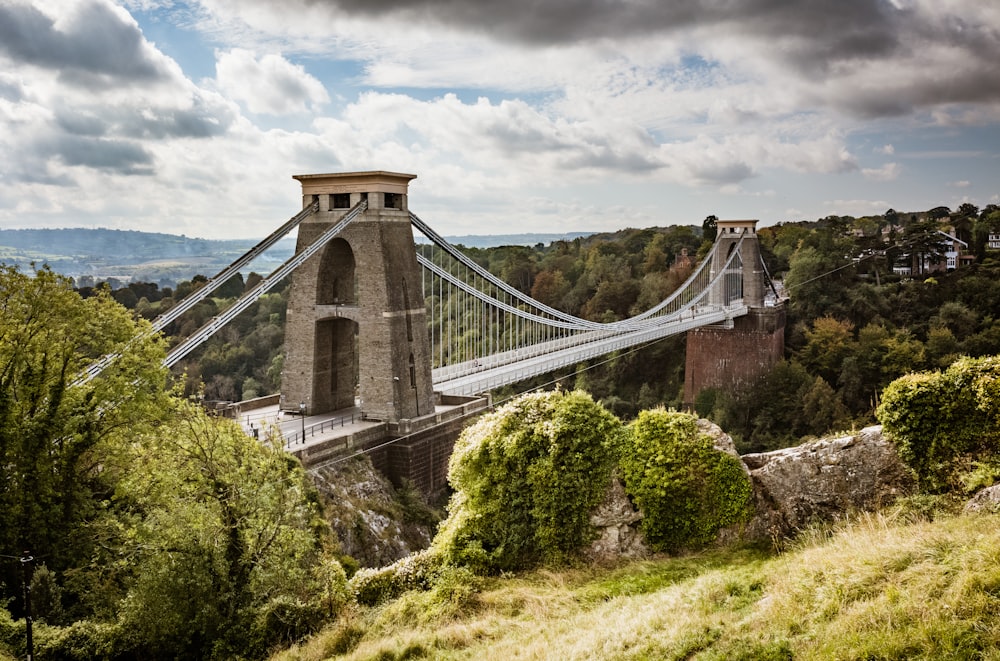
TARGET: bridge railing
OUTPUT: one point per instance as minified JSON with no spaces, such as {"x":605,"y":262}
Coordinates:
{"x":317,"y":429}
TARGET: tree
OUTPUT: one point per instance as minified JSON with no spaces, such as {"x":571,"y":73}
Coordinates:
{"x":818,"y":274}
{"x":709,"y":228}
{"x":223,"y":531}
{"x":828,"y":342}
{"x":231,"y":288}
{"x":656,"y":255}
{"x":822,"y":409}
{"x":923,"y":243}
{"x":964,"y":219}
{"x":53,"y":426}
{"x":550,"y":287}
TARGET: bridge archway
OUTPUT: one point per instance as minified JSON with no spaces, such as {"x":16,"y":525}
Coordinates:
{"x":336,"y":370}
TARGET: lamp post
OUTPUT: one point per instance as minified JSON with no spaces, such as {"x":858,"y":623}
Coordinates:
{"x":302,"y":415}
{"x":26,"y":560}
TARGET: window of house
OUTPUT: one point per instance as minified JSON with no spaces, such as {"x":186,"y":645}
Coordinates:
{"x":340,"y":201}
{"x":393,"y":201}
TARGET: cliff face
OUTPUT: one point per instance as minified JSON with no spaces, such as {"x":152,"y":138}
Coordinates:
{"x":374,"y":524}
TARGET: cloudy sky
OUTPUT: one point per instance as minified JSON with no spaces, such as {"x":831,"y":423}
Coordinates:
{"x":521,"y":115}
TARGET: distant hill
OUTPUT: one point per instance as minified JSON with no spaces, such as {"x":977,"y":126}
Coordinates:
{"x":129,"y":255}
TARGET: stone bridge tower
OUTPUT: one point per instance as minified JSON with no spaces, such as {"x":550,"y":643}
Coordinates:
{"x":357,"y":325}
{"x":733,"y":359}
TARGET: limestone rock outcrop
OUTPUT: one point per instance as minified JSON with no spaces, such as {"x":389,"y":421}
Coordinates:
{"x":617,"y":521}
{"x":819,"y":480}
{"x":366,"y":514}
{"x":822,"y":480}
{"x":986,"y":500}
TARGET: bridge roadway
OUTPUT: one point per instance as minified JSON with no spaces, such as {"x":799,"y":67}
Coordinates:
{"x":321,"y":428}
{"x":484,"y":374}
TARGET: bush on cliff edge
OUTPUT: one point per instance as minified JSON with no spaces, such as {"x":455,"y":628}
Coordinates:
{"x":944,"y":423}
{"x":526,"y":478}
{"x":686,"y":488}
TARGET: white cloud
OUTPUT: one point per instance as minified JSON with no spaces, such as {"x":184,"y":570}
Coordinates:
{"x":960,"y":184}
{"x":271,"y":85}
{"x":888,"y":150}
{"x":887,"y":172}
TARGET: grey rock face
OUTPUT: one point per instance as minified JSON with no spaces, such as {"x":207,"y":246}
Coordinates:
{"x":365,"y":514}
{"x":616,"y":520}
{"x":987,"y":500}
{"x":822,"y":480}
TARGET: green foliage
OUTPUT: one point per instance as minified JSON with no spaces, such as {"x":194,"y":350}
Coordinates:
{"x":526,"y":478}
{"x":46,"y":596}
{"x":223,"y":544}
{"x":53,"y":431}
{"x":417,"y":571}
{"x":83,"y":640}
{"x":687,"y":490}
{"x":939,"y":420}
{"x":981,"y":474}
{"x":165,"y":533}
{"x":11,"y":632}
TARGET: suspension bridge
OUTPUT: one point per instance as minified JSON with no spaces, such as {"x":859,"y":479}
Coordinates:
{"x":389,"y":328}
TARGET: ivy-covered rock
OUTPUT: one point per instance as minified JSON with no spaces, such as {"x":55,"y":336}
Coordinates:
{"x":686,"y":488}
{"x":940,"y":421}
{"x":417,"y":571}
{"x":526,"y":478}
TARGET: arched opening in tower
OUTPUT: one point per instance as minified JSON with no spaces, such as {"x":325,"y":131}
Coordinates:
{"x":336,"y":283}
{"x":335,"y":381}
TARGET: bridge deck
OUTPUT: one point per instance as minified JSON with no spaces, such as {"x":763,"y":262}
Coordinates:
{"x":481,"y":376}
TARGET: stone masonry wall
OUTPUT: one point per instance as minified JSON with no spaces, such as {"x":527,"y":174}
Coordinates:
{"x":731,"y":359}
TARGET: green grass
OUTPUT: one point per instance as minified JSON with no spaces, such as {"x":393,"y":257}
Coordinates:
{"x":877,"y":587}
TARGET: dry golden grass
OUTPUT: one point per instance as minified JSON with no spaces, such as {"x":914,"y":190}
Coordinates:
{"x":876,"y":587}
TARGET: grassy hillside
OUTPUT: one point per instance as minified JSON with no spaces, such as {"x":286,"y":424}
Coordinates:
{"x":879,"y":587}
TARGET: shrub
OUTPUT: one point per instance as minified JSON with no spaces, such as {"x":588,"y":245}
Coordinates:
{"x":526,"y":478}
{"x":940,"y":422}
{"x":284,"y":620}
{"x":414,"y":572}
{"x":11,"y":633}
{"x":685,"y":487}
{"x":83,"y":640}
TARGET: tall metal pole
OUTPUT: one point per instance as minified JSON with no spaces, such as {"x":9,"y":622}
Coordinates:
{"x":26,"y":560}
{"x":302,"y":417}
